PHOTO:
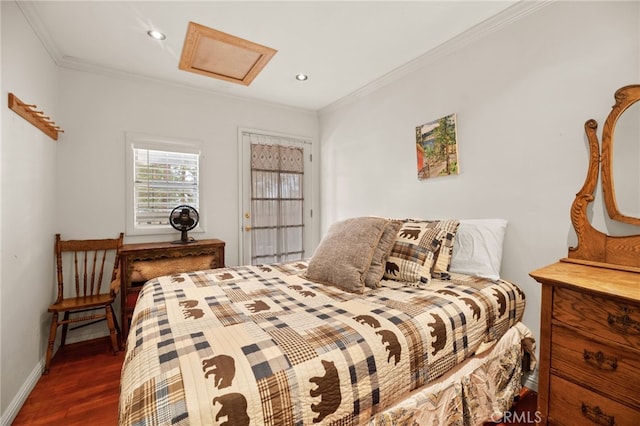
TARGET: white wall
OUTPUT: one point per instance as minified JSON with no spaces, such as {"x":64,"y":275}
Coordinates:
{"x":28,"y":210}
{"x":76,"y":185}
{"x":97,"y":111}
{"x":522,"y":95}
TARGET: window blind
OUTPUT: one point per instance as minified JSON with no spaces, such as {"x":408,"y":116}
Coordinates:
{"x":162,"y":181}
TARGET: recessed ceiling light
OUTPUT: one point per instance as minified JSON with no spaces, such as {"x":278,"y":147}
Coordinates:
{"x":302,"y":77}
{"x":156,"y":35}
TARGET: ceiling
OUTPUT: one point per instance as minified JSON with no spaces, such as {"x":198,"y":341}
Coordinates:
{"x":342,"y":46}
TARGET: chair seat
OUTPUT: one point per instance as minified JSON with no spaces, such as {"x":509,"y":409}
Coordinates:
{"x":82,"y":302}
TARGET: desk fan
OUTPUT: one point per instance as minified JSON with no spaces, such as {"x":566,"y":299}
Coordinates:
{"x":184,"y":218}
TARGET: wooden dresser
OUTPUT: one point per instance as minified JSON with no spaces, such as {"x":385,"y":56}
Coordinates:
{"x":589,"y":367}
{"x":142,"y":262}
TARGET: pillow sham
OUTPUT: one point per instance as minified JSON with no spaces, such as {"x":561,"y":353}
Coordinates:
{"x":413,"y":253}
{"x":378,"y":262}
{"x":442,"y":259}
{"x":478,"y":247}
{"x":343,"y":257}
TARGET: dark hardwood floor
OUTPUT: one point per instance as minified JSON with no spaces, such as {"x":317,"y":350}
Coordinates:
{"x":83,"y":386}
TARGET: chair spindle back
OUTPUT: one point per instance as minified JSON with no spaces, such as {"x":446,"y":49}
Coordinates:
{"x":89,"y":263}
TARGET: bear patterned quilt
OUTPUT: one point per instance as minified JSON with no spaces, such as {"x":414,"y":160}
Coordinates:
{"x":261,"y":345}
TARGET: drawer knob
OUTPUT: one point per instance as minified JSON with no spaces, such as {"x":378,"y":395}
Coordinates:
{"x":624,"y":324}
{"x":600,"y":360}
{"x":597,"y":416}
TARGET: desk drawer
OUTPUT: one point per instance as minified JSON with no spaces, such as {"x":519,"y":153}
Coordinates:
{"x":608,"y":319}
{"x":612,"y":370}
{"x":571,"y":405}
{"x":144,"y":270}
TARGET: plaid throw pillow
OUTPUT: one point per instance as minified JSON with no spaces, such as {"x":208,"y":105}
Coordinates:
{"x":413,"y":253}
{"x":447,"y":238}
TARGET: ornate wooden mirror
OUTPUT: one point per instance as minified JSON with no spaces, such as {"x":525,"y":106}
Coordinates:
{"x":595,"y":247}
{"x":621,"y":168}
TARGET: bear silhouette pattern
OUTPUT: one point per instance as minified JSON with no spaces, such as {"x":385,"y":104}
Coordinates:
{"x":195,"y":313}
{"x":300,"y":290}
{"x":447,"y":292}
{"x":439,"y":334}
{"x":392,"y":268}
{"x":367,"y":320}
{"x":257,"y":306}
{"x":410,"y":233}
{"x":189,"y":303}
{"x":390,"y":340}
{"x":189,"y":309}
{"x":234,"y":408}
{"x":328,"y":389}
{"x":223,"y":368}
{"x":502,"y":302}
{"x":521,"y":293}
{"x":473,"y":305}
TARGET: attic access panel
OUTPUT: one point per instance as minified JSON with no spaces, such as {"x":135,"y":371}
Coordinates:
{"x":220,"y":55}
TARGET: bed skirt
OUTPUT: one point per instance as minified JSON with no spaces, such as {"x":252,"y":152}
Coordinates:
{"x":480,"y":390}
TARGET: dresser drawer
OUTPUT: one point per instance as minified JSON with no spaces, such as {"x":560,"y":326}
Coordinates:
{"x":571,"y":405}
{"x":608,"y":319}
{"x":611,"y":369}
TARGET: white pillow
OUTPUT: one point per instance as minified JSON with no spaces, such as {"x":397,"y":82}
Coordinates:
{"x":477,"y":248}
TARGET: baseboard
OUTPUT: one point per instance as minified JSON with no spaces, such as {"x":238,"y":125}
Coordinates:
{"x":18,"y":401}
{"x":23,"y":393}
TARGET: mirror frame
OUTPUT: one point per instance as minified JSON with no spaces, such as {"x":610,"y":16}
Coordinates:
{"x":594,"y":247}
{"x":625,"y":97}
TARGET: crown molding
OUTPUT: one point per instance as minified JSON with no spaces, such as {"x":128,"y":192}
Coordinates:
{"x":77,"y":64}
{"x":27,"y":9}
{"x":73,"y":63}
{"x":477,"y":32}
{"x":514,"y":13}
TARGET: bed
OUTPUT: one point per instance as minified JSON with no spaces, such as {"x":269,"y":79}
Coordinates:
{"x":337,"y":339}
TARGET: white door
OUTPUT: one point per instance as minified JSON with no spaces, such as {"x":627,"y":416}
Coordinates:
{"x":276,"y":188}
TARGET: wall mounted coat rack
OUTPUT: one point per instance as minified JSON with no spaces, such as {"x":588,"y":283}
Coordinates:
{"x":37,"y":118}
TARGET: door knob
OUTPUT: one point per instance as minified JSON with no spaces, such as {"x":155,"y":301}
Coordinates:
{"x":247,"y":228}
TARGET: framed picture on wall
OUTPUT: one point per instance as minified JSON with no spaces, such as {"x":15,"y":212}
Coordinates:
{"x":437,"y":148}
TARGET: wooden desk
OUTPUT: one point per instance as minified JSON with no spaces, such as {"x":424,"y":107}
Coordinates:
{"x":142,"y":262}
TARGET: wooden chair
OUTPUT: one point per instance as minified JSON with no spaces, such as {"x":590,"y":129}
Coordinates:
{"x":88,"y":259}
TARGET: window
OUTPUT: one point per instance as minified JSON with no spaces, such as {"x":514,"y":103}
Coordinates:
{"x":162,"y":174}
